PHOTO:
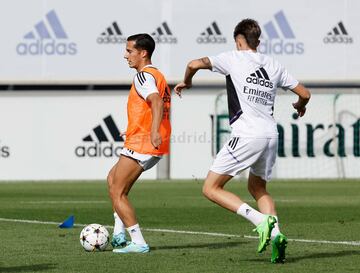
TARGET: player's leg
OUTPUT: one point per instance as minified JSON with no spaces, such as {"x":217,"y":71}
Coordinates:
{"x":213,"y":190}
{"x":257,"y":188}
{"x":260,"y":173}
{"x":119,"y":236}
{"x":126,"y":172}
{"x":237,"y":155}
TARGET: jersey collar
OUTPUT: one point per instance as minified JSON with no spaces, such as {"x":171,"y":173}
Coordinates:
{"x":148,"y":65}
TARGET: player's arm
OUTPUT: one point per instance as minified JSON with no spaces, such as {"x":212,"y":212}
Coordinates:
{"x":191,"y":69}
{"x":304,"y":97}
{"x":157,"y":108}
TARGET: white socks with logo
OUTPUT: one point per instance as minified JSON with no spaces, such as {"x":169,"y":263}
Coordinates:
{"x":250,"y":214}
{"x":134,"y":231}
{"x":136,"y":235}
{"x":257,"y":217}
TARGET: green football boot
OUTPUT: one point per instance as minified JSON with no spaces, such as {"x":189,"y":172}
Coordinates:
{"x":278,"y":248}
{"x":264,"y":230}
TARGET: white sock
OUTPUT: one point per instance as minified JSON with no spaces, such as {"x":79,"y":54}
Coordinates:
{"x":136,"y":235}
{"x":276,"y":229}
{"x":118,"y":224}
{"x":250,"y":214}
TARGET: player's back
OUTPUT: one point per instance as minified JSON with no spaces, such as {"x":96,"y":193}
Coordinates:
{"x":252,"y":79}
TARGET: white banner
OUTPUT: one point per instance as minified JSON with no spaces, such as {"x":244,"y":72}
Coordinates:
{"x":61,"y":135}
{"x":324,"y":143}
{"x":58,"y":41}
{"x":75,"y":135}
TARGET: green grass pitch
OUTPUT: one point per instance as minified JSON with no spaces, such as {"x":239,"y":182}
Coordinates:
{"x":323,"y":212}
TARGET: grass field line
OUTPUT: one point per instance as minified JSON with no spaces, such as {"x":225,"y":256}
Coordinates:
{"x":350,"y":243}
{"x":64,"y":202}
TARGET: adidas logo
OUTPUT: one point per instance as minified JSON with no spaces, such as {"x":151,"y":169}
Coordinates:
{"x":247,"y":211}
{"x":100,"y":133}
{"x":338,"y":35}
{"x":112,"y":35}
{"x":280,"y":37}
{"x":260,"y":77}
{"x":4,"y":151}
{"x":44,"y":39}
{"x":283,"y":25}
{"x":111,"y":134}
{"x":212,"y":35}
{"x":163,"y":35}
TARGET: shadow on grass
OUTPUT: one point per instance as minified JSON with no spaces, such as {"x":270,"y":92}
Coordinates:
{"x":28,"y":268}
{"x":311,"y":256}
{"x":294,"y":259}
{"x":197,"y":246}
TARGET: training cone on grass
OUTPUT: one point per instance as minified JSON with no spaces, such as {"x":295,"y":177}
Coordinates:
{"x":68,"y":223}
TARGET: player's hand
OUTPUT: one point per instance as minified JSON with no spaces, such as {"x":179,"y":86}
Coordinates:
{"x":300,"y":109}
{"x":156,"y":139}
{"x":180,"y":86}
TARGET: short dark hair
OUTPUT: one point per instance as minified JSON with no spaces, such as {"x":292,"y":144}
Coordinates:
{"x":250,"y":29}
{"x":143,"y":41}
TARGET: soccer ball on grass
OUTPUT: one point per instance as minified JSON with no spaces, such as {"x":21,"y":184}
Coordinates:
{"x":94,"y":237}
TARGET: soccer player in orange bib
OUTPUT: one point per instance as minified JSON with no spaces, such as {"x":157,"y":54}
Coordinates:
{"x":147,"y":140}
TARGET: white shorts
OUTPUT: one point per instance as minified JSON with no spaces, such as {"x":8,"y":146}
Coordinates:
{"x":144,"y":160}
{"x":239,"y":154}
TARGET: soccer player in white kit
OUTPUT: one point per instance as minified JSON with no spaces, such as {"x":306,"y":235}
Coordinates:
{"x":252,"y":79}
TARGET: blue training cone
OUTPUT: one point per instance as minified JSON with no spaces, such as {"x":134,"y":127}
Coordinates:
{"x":68,"y":223}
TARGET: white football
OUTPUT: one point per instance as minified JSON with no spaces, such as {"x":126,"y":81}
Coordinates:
{"x":94,"y":237}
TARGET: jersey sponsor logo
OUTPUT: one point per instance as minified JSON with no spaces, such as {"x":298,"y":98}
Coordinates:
{"x":4,"y":151}
{"x":163,"y":35}
{"x":211,"y":35}
{"x":112,"y":35}
{"x":103,"y":141}
{"x":338,"y":35}
{"x":280,"y":38}
{"x":48,"y":38}
{"x":260,"y":77}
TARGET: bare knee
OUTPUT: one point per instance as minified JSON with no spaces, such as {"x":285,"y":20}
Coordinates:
{"x":206,"y":191}
{"x":117,"y":193}
{"x":110,"y":180}
{"x":115,"y":189}
{"x":209,"y":191}
{"x":213,"y":184}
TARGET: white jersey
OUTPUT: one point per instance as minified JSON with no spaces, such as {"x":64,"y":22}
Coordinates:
{"x":252,"y":79}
